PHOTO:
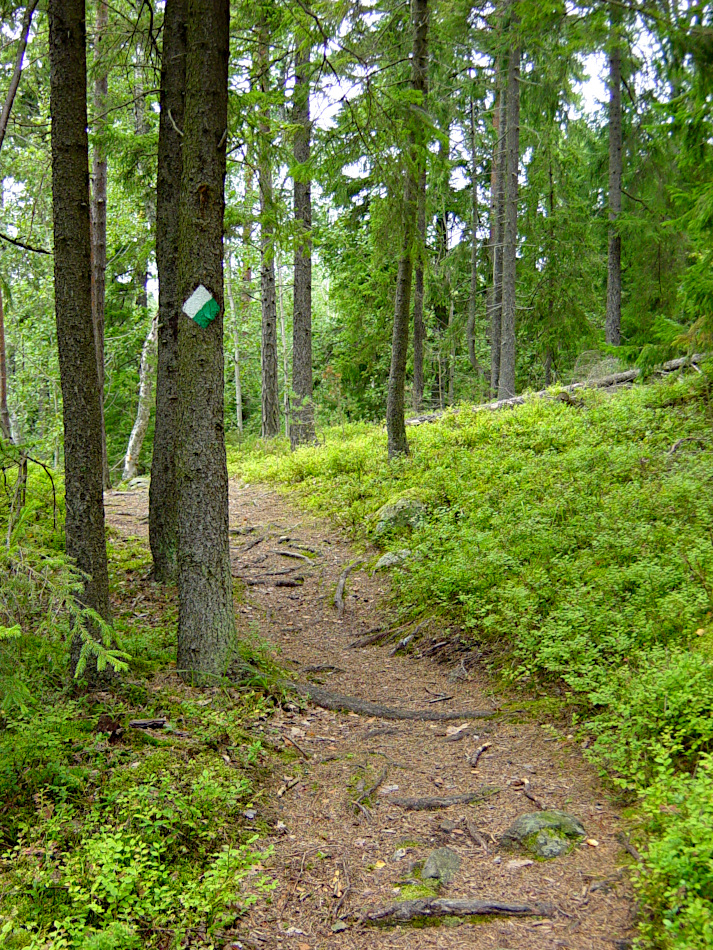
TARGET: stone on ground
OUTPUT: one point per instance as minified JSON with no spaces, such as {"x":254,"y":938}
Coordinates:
{"x":441,"y":864}
{"x":398,"y":516}
{"x":546,"y":834}
{"x":391,"y":559}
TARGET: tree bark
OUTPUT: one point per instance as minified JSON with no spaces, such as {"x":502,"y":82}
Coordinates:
{"x":17,"y":72}
{"x":206,"y":621}
{"x":163,"y":508}
{"x":236,"y":344}
{"x":451,"y":351}
{"x":302,"y":423}
{"x":143,"y":410}
{"x":5,"y":428}
{"x":395,"y":421}
{"x":474,"y":222}
{"x":98,"y":215}
{"x":498,"y":218}
{"x":84,"y":523}
{"x":613,"y":318}
{"x":268,"y":349}
{"x":419,"y":327}
{"x":285,"y":357}
{"x":506,"y":382}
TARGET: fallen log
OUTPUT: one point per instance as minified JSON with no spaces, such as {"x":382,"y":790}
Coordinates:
{"x":363,"y":707}
{"x":431,"y":804}
{"x":607,"y":382}
{"x":147,"y":723}
{"x":404,"y":911}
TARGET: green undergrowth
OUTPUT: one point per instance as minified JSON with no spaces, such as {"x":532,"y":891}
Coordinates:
{"x":113,"y":836}
{"x":572,"y":547}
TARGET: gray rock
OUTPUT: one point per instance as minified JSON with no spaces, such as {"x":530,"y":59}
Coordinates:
{"x":141,"y":481}
{"x":391,"y":559}
{"x":441,"y":864}
{"x":546,"y":834}
{"x":401,"y":515}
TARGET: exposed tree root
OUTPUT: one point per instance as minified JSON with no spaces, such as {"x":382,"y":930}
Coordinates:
{"x":339,"y":595}
{"x":327,"y":700}
{"x":405,"y":911}
{"x":431,"y":804}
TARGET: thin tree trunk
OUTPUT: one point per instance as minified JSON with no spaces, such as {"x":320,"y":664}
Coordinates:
{"x":613,"y":318}
{"x":452,"y":355}
{"x":98,"y":214}
{"x":163,"y":499}
{"x":143,"y":410}
{"x":206,"y":621}
{"x":302,"y":425}
{"x":236,"y":344}
{"x":5,"y":429}
{"x":500,"y":160}
{"x":395,"y":421}
{"x":285,"y":358}
{"x":506,"y":383}
{"x":474,"y":222}
{"x":17,"y":72}
{"x":84,"y":523}
{"x":419,"y":328}
{"x":268,"y":350}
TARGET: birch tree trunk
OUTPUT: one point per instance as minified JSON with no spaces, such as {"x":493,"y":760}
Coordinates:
{"x":163,"y":499}
{"x":143,"y":410}
{"x":206,"y":620}
{"x":506,"y":383}
{"x":84,"y":523}
{"x":98,"y":213}
{"x":285,"y":358}
{"x":395,"y":421}
{"x":268,"y":350}
{"x":301,"y":428}
{"x":613,"y":318}
{"x":5,"y":429}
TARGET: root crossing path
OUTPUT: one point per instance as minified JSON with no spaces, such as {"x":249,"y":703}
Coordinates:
{"x":349,"y":844}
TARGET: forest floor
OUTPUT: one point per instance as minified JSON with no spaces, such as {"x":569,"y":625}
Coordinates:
{"x":334,"y":861}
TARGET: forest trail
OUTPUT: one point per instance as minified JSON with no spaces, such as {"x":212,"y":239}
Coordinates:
{"x":334,"y":860}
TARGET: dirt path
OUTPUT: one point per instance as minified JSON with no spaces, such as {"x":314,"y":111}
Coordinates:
{"x":336,"y":861}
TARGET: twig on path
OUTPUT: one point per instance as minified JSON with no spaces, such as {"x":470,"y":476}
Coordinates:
{"x":440,"y":699}
{"x":444,"y":907}
{"x":345,"y":892}
{"x":473,"y":760}
{"x":339,"y":595}
{"x":298,"y":747}
{"x":294,"y":555}
{"x":524,"y":785}
{"x":401,"y":645}
{"x":359,"y":802}
{"x":252,"y":544}
{"x":476,"y":835}
{"x":431,"y":804}
{"x":363,"y":707}
{"x":629,"y":847}
{"x":689,"y":438}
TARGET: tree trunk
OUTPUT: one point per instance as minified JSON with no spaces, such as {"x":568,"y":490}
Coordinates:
{"x":17,"y":72}
{"x":395,"y":421}
{"x":451,"y":354}
{"x":302,"y":425}
{"x":84,"y":523}
{"x":5,"y":429}
{"x":236,"y":345}
{"x":506,"y":383}
{"x":474,"y":222}
{"x":268,"y":349}
{"x":206,"y":621}
{"x":613,"y":318}
{"x":143,"y":410}
{"x":498,"y":217}
{"x":163,"y":507}
{"x":285,"y":358}
{"x":98,"y":214}
{"x":419,"y":328}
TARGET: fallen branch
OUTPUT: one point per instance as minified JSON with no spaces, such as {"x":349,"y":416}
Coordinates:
{"x":524,"y":786}
{"x":147,"y":723}
{"x":294,"y":555}
{"x":629,"y":847}
{"x":290,"y":582}
{"x":345,"y":892}
{"x":405,"y":911}
{"x":431,"y":804}
{"x":359,"y":802}
{"x":689,"y":438}
{"x":337,"y":702}
{"x":476,"y":835}
{"x":473,"y":760}
{"x":401,"y":645}
{"x":339,"y":594}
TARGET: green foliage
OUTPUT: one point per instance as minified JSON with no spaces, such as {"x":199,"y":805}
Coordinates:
{"x":574,"y":549}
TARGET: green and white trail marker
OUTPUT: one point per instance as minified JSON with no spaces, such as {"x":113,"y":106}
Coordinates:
{"x":201,"y":306}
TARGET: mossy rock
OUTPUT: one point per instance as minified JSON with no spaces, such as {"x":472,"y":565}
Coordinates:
{"x":399,"y":516}
{"x":545,"y":834}
{"x":391,"y":559}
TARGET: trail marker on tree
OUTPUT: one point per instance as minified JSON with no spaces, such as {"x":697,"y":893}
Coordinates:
{"x":201,"y":306}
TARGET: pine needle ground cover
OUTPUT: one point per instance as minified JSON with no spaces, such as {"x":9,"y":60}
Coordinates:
{"x":573,"y":548}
